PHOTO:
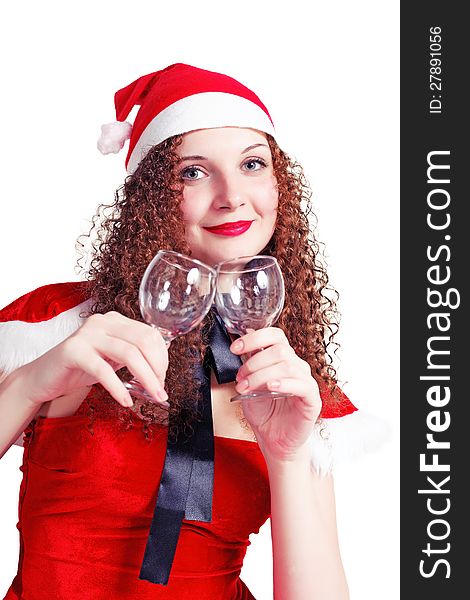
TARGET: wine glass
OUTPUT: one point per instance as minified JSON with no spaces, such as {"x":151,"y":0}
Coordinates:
{"x":250,"y":295}
{"x":175,"y":294}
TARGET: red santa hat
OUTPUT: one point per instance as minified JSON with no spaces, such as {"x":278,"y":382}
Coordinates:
{"x":41,"y":319}
{"x":175,"y":100}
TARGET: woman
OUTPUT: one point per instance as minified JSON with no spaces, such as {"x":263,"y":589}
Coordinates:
{"x":202,"y":155}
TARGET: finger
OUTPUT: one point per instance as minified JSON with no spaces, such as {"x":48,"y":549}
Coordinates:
{"x":300,"y":388}
{"x":125,"y":353}
{"x":103,"y":373}
{"x":281,"y":370}
{"x":261,"y":338}
{"x":149,"y":341}
{"x":146,"y":338}
{"x":269,"y":356}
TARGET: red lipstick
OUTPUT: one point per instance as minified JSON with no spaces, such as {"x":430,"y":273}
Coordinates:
{"x":235,"y":228}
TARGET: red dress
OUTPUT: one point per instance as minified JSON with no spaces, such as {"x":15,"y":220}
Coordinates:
{"x":86,"y":504}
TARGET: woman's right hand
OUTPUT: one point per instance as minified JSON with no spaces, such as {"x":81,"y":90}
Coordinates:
{"x":104,"y":344}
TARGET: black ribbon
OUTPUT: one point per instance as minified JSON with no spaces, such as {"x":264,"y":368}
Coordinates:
{"x":187,"y":481}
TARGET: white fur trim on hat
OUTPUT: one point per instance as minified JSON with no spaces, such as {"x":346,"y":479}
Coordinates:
{"x":199,"y":111}
{"x":113,"y":136}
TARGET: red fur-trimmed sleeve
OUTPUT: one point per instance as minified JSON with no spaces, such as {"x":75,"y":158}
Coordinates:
{"x":39,"y":320}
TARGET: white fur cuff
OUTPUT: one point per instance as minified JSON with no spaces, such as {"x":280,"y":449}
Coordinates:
{"x":339,"y":440}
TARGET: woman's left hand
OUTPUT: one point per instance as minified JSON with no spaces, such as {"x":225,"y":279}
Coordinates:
{"x":282,"y":426}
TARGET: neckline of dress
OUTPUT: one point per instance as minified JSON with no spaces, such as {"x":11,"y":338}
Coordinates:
{"x":41,"y":419}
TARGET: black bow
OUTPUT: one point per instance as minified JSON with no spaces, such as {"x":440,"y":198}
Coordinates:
{"x":187,"y":481}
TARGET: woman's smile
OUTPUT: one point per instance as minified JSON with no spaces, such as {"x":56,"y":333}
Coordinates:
{"x":230,"y":228}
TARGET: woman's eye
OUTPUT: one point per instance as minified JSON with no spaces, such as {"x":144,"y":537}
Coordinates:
{"x":253,"y":163}
{"x":190,"y":173}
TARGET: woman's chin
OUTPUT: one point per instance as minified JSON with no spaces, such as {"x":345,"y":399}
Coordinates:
{"x":213,"y":261}
{"x":228,"y":253}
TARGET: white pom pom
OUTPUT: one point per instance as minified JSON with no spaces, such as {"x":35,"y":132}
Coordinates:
{"x":113,"y":136}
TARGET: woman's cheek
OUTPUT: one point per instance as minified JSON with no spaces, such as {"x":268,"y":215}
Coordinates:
{"x":270,"y":198}
{"x":190,"y":213}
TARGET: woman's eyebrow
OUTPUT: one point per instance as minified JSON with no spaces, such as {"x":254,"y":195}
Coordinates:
{"x":254,"y":146}
{"x":199,"y":157}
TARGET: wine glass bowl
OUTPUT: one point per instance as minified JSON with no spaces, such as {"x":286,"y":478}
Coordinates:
{"x":176,"y":293}
{"x":249,"y":299}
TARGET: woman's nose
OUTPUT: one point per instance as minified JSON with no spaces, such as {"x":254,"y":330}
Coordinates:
{"x":229,"y":192}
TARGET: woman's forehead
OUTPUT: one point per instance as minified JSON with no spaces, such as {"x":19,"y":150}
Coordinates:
{"x":223,"y":133}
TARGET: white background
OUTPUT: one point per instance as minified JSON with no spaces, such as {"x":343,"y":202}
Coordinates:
{"x":328,"y":73}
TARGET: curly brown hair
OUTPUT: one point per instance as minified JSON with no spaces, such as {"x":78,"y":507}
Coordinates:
{"x":146,"y":217}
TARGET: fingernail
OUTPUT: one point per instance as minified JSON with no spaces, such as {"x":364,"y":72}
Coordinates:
{"x":274,"y":384}
{"x":236,"y":346}
{"x":160,"y":395}
{"x":242,"y":385}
